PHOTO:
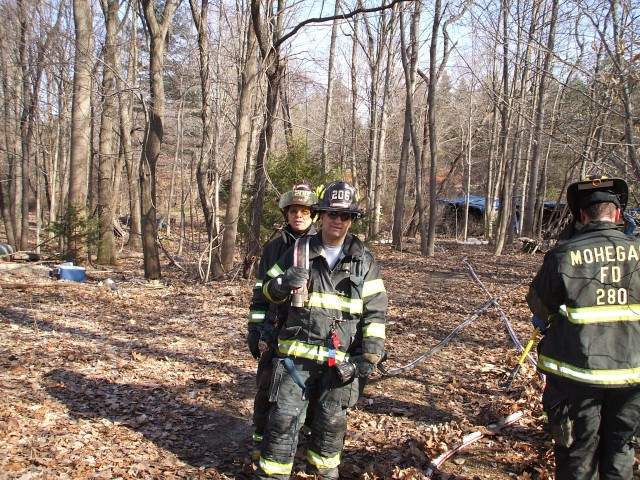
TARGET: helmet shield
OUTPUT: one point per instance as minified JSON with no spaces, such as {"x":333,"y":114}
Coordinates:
{"x":301,"y":194}
{"x":339,"y":197}
{"x":597,"y":189}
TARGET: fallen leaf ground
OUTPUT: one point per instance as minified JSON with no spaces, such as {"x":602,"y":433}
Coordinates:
{"x":153,"y":380}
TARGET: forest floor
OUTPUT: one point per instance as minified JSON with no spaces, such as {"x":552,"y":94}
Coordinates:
{"x":137,"y":379}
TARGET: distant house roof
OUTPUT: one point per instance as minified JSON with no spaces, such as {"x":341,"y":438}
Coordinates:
{"x":479,"y":203}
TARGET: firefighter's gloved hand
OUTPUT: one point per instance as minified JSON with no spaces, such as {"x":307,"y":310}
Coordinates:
{"x":253,"y":341}
{"x":268,"y":332}
{"x":345,"y":371}
{"x":295,"y":277}
{"x":281,"y":286}
{"x":539,"y":323}
{"x":364,"y":365}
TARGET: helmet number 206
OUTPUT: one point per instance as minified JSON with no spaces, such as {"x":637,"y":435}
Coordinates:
{"x":612,"y":296}
{"x":341,"y":195}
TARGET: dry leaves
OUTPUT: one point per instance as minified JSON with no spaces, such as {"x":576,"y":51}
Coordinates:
{"x":130,"y":380}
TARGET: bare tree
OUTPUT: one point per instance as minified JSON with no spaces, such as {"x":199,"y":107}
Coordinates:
{"x":108,"y":149}
{"x":132,"y":166}
{"x":530,"y":207}
{"x":329,"y":96}
{"x":249,"y":78}
{"x":207,"y":174}
{"x":435,"y":73}
{"x":80,"y":129}
{"x":409,"y":56}
{"x":157,"y":23}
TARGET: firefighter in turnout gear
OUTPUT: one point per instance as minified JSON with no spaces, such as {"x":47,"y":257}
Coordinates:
{"x":265,"y":318}
{"x":328,"y":345}
{"x":587,"y":294}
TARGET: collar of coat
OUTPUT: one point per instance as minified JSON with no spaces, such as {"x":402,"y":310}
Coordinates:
{"x":596,"y":226}
{"x":290,"y":236}
{"x":353,"y":247}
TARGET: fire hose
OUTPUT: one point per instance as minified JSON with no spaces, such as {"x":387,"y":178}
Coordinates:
{"x":441,"y":344}
{"x":469,"y":439}
{"x":492,"y":428}
{"x":492,"y":301}
{"x":512,"y":334}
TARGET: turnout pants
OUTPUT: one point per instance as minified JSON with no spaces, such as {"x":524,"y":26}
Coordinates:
{"x":261,"y":404}
{"x":329,"y":424}
{"x":592,"y":428}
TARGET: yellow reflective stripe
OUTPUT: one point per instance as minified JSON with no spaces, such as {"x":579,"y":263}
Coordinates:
{"x":312,"y":352}
{"x":274,"y":271}
{"x":604,"y":314}
{"x":335,"y":302}
{"x":257,"y":285}
{"x":275,"y":468}
{"x":257,"y":315}
{"x":323,"y":462}
{"x":265,"y":291}
{"x":625,"y":376}
{"x":377,"y":330}
{"x":372,"y":287}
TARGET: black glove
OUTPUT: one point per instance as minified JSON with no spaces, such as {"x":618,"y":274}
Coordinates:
{"x":253,"y":340}
{"x":364,"y":367}
{"x":345,"y":371}
{"x":268,"y":332}
{"x":539,"y":323}
{"x":295,"y":277}
{"x":281,"y":286}
{"x":356,"y":366}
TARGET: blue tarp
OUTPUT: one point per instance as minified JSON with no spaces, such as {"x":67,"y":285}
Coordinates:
{"x":479,"y":203}
{"x":474,"y":202}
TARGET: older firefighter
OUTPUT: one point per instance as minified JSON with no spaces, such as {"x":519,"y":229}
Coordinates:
{"x":587,"y":293}
{"x":265,"y":318}
{"x":330,"y":343}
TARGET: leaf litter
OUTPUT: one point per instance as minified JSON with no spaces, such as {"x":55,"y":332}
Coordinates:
{"x":131,"y":379}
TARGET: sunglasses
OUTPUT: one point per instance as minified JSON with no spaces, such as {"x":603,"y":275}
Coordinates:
{"x":344,"y":216}
{"x":303,"y":212}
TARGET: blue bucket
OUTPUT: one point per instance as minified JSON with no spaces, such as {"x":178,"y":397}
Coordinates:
{"x":69,"y":271}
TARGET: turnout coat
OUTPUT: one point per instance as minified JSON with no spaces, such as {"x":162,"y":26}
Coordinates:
{"x":588,"y":289}
{"x":347,"y":302}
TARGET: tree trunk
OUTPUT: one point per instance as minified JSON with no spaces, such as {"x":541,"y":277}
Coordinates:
{"x":242,"y":143}
{"x":378,"y":187}
{"x":80,"y":129}
{"x":329,"y":97}
{"x":207,"y":171}
{"x":354,"y":106}
{"x":410,"y":68}
{"x":153,"y":133}
{"x":505,"y":120}
{"x":271,"y":59}
{"x":108,"y":150}
{"x":530,"y":208}
{"x":433,"y":137}
{"x":132,"y":166}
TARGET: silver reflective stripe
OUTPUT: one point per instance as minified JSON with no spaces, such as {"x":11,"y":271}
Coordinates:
{"x":257,"y":315}
{"x":311,"y":352}
{"x":377,"y":330}
{"x":335,"y":302}
{"x":603,"y":314}
{"x":275,"y":468}
{"x":626,"y":376}
{"x":323,"y":462}
{"x":371,"y":287}
{"x":275,"y":271}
